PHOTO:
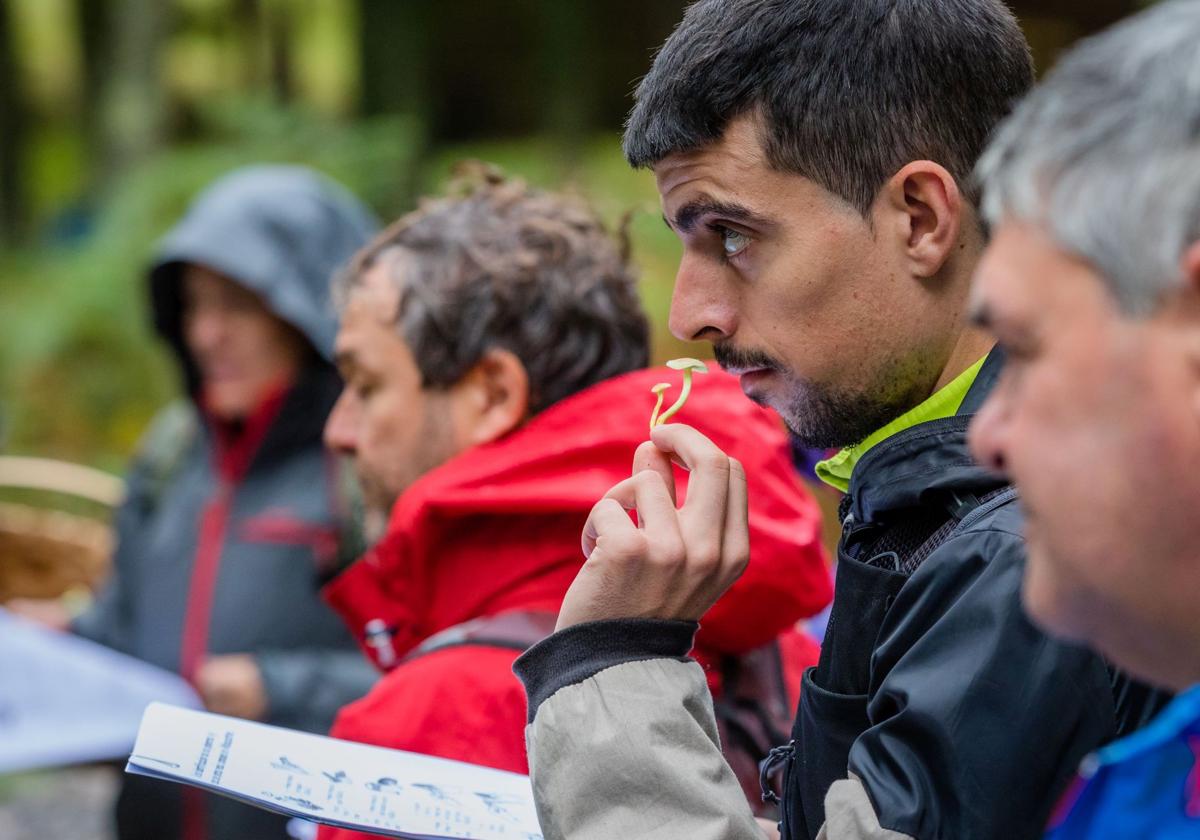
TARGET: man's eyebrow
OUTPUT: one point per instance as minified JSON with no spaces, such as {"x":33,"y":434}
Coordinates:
{"x":343,"y":359}
{"x":688,"y":214}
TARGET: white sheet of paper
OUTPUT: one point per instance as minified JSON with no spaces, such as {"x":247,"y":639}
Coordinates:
{"x":65,"y":700}
{"x":390,"y":792}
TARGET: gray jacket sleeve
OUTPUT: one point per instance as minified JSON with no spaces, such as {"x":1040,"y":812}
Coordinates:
{"x":168,"y":438}
{"x":107,"y":619}
{"x":622,"y":739}
{"x":306,"y":688}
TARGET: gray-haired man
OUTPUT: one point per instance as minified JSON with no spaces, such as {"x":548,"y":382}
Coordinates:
{"x":1092,"y":284}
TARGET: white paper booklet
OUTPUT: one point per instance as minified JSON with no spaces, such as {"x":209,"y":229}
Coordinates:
{"x":389,"y":792}
{"x":65,"y":700}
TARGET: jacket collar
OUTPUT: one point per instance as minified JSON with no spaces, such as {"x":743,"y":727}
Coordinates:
{"x":290,"y":419}
{"x":925,"y":461}
{"x":837,"y":470}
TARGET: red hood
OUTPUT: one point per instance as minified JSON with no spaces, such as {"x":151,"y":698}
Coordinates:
{"x":498,"y":527}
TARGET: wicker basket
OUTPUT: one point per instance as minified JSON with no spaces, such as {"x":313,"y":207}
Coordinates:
{"x":45,"y":553}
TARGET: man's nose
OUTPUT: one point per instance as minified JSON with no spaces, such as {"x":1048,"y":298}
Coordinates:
{"x":205,"y":329}
{"x":340,"y":428}
{"x":987,"y":436}
{"x":701,"y":308}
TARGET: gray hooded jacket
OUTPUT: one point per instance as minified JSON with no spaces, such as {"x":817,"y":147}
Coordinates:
{"x":226,"y":535}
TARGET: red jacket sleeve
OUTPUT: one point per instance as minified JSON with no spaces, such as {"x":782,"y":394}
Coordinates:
{"x":462,"y":703}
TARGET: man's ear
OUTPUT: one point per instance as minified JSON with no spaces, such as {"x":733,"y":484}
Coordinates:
{"x":923,"y":206}
{"x":492,"y":398}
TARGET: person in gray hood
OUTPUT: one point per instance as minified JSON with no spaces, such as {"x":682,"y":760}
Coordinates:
{"x":234,"y":514}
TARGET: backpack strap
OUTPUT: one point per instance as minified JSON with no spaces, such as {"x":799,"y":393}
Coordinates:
{"x":162,"y":448}
{"x":986,"y":504}
{"x":904,"y":546}
{"x":754,"y":697}
{"x":517,"y":630}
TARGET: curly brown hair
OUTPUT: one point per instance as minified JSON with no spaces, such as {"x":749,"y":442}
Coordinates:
{"x":497,"y":264}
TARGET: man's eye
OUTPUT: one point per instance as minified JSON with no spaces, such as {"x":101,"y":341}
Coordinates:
{"x":732,"y":242}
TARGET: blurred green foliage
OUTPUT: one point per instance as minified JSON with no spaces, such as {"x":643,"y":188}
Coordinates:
{"x":118,"y":111}
{"x":79,"y":366}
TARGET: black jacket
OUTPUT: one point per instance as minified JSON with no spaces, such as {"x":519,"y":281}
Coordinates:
{"x":959,"y":716}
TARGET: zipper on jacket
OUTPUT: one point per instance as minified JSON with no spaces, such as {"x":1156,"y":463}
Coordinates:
{"x":202,"y":585}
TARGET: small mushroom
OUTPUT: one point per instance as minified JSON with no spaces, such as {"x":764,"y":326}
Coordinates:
{"x":688,"y":367}
{"x":658,"y":389}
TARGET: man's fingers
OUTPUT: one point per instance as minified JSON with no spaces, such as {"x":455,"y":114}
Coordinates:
{"x":677,"y":561}
{"x":647,"y":494}
{"x":680,"y":439}
{"x":607,"y":517}
{"x":735,"y":550}
{"x":704,"y":511}
{"x":708,"y":465}
{"x":648,"y":457}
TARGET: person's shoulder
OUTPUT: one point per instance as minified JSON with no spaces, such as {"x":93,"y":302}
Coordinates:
{"x":171,"y":430}
{"x":1000,"y":515}
{"x":460,"y":702}
{"x":984,"y":554}
{"x":451,"y":658}
{"x":993,"y":533}
{"x":172,"y":440}
{"x":453,"y":673}
{"x":1148,"y":768}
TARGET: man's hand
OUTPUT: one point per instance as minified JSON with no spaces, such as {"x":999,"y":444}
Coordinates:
{"x":232,"y":685}
{"x":48,"y":612}
{"x":675,"y":562}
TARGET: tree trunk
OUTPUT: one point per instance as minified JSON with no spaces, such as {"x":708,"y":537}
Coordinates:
{"x":94,"y":19}
{"x":134,"y":101}
{"x":13,"y":125}
{"x":394,"y":39}
{"x":277,"y":24}
{"x":568,"y":54}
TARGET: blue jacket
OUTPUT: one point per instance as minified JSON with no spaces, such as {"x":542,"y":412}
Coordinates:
{"x":1145,"y":786}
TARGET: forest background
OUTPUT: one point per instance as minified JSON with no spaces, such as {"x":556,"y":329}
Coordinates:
{"x":113,"y":113}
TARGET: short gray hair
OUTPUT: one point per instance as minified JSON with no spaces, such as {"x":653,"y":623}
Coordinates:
{"x":1105,"y":154}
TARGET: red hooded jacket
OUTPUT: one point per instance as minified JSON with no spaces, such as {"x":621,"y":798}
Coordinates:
{"x":497,"y":529}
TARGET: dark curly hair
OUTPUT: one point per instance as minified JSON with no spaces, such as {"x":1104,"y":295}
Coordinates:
{"x":497,"y":264}
{"x":847,"y":91}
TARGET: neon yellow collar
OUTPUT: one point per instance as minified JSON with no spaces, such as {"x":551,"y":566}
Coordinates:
{"x":945,"y":402}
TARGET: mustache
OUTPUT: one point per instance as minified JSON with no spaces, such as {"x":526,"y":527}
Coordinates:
{"x":739,"y":358}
